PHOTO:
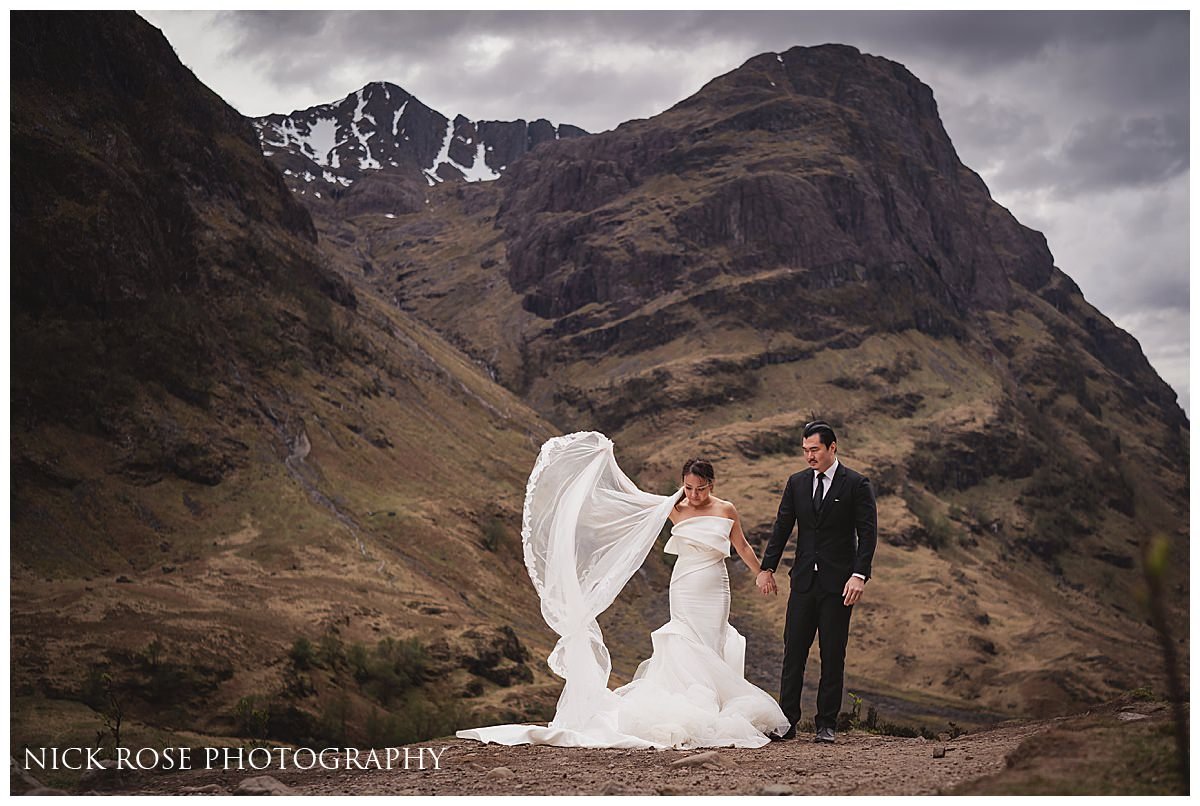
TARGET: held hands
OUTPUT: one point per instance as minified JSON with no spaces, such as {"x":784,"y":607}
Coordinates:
{"x":853,"y":591}
{"x":766,"y":583}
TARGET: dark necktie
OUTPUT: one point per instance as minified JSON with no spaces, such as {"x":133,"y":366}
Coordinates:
{"x":819,"y":495}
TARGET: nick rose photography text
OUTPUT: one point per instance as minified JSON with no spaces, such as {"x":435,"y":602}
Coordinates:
{"x":237,"y":758}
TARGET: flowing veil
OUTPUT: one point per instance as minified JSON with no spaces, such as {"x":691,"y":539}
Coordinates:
{"x":586,"y":529}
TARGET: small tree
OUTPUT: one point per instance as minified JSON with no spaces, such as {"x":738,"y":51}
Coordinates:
{"x":111,"y":716}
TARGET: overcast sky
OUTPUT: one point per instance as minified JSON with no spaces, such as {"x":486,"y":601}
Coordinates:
{"x":1077,"y":121}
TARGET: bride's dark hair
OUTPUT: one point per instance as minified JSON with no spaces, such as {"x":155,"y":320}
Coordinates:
{"x":696,"y":467}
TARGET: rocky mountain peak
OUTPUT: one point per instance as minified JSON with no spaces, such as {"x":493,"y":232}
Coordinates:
{"x":812,"y":161}
{"x":882,"y":92}
{"x":383,"y":129}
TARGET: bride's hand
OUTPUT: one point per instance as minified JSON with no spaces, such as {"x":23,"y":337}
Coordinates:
{"x":766,"y":583}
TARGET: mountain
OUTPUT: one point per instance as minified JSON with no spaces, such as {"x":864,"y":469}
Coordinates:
{"x":393,"y":146}
{"x":247,"y":501}
{"x":799,"y":239}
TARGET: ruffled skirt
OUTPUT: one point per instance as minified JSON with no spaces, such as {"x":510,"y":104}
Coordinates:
{"x":692,"y":691}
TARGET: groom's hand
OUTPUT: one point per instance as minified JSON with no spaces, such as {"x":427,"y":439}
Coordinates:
{"x":766,"y":583}
{"x":853,"y":591}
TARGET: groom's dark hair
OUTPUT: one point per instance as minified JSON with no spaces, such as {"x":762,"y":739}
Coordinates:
{"x":821,"y":428}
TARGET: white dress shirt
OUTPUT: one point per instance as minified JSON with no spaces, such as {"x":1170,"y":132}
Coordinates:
{"x":824,"y":492}
{"x":828,"y":478}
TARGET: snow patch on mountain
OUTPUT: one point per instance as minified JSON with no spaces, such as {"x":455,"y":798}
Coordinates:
{"x":340,"y":141}
{"x":396,"y":120}
{"x":321,"y":139}
{"x":314,"y":143}
{"x":443,"y":155}
{"x":478,"y":171}
{"x":365,"y":162}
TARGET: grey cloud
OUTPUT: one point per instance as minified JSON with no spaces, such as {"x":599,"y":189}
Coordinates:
{"x":1159,"y":333}
{"x":381,"y":35}
{"x":1096,"y":155}
{"x":1109,"y":152}
{"x":1138,"y":72}
{"x":1130,"y":252}
{"x":259,"y":27}
{"x":294,"y":49}
{"x":1145,"y":288}
{"x":541,"y":85}
{"x":988,"y":133}
{"x":975,"y":41}
{"x":988,"y":39}
{"x":1028,"y":171}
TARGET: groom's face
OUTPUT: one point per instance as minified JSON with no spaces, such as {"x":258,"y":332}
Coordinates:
{"x":818,"y":456}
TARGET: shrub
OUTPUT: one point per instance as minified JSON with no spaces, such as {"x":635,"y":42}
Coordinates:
{"x":251,"y":718}
{"x":494,"y":534}
{"x":937,"y":530}
{"x":152,"y":654}
{"x":396,"y":667}
{"x":302,"y":654}
{"x":334,"y":718}
{"x":358,"y":660}
{"x":330,"y":650}
{"x":419,"y":718}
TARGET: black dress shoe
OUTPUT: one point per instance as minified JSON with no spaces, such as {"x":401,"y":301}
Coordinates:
{"x":824,"y":736}
{"x":790,"y":733}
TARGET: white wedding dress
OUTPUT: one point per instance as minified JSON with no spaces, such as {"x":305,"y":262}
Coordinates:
{"x":587,"y":528}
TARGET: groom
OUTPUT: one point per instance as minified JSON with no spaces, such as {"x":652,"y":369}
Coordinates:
{"x":832,"y":504}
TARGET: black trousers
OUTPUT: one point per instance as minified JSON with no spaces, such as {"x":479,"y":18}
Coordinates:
{"x":815,"y":612}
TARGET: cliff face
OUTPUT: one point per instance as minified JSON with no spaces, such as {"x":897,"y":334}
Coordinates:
{"x":800,"y":239}
{"x":142,"y":211}
{"x":112,"y":128}
{"x":818,"y":160}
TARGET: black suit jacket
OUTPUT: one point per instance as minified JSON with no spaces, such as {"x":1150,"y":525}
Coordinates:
{"x":828,"y":540}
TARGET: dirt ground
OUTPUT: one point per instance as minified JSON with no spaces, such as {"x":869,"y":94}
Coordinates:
{"x":1124,"y":747}
{"x":860,"y":763}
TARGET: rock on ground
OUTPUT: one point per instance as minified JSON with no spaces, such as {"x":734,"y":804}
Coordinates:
{"x":263,"y":785}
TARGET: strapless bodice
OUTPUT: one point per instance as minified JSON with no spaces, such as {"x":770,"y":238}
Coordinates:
{"x":700,"y":533}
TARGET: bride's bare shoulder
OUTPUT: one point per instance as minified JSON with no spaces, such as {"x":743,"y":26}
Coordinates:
{"x":726,"y":508}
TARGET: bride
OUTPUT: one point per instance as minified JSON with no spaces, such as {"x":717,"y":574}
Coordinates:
{"x":586,"y":530}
